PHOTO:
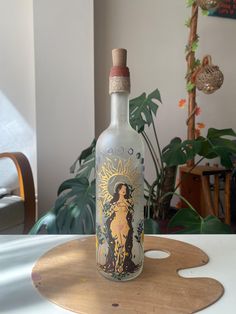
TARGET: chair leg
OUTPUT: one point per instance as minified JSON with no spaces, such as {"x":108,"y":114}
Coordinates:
{"x":227,"y":198}
{"x":216,"y":195}
{"x":207,"y":195}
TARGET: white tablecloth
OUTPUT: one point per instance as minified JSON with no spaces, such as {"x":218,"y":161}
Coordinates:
{"x":18,"y":254}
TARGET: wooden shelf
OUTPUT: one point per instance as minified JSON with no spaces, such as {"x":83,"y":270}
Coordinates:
{"x":196,"y":189}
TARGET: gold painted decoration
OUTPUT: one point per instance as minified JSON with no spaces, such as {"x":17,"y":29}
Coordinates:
{"x":114,"y":171}
{"x":119,"y":217}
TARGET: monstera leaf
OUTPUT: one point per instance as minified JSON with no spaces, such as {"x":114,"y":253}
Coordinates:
{"x":191,"y":222}
{"x":178,"y":152}
{"x":216,"y":145}
{"x":87,"y":167}
{"x":87,"y":151}
{"x":212,"y":146}
{"x":142,"y":108}
{"x":85,"y":162}
{"x":74,"y":210}
{"x":48,"y":221}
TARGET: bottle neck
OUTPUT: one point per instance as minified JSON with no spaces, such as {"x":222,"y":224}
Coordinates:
{"x":119,"y":109}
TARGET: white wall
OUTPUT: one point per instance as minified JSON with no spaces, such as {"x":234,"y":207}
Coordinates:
{"x":154,"y":34}
{"x":17,"y":89}
{"x":64,"y":89}
{"x":217,"y":39}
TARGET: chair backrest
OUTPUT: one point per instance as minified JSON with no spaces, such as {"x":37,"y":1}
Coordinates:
{"x":26,"y":186}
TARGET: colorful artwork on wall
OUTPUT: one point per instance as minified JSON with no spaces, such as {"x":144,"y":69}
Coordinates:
{"x":227,"y":8}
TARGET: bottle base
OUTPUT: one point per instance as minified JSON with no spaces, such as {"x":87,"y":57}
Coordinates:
{"x":121,"y":277}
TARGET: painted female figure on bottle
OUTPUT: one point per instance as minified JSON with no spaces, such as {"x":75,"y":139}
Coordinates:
{"x":120,"y":231}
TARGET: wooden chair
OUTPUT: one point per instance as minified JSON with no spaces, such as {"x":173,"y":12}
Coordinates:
{"x":26,"y":196}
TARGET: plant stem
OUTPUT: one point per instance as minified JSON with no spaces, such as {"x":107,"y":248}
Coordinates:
{"x":160,"y":154}
{"x":154,"y":152}
{"x":159,"y":176}
{"x":147,"y":183}
{"x":148,"y":187}
{"x":150,"y":196}
{"x":151,"y":152}
{"x":181,"y":197}
{"x":157,"y":141}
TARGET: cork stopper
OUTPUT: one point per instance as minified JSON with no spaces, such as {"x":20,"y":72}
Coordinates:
{"x":119,"y":81}
{"x":119,"y":57}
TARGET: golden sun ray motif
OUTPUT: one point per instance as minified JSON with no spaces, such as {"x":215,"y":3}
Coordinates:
{"x":114,"y":171}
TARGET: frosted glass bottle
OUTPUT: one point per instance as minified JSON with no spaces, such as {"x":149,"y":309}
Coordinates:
{"x":119,"y":185}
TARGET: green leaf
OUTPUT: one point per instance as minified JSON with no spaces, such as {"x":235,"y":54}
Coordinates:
{"x":172,"y":154}
{"x":48,"y":221}
{"x":178,"y":152}
{"x":206,"y":148}
{"x":75,"y":210}
{"x":142,"y":108}
{"x":155,"y":95}
{"x":70,"y":183}
{"x":188,"y":219}
{"x":187,"y":22}
{"x":60,"y":201}
{"x":189,"y":3}
{"x":151,"y":226}
{"x":64,"y":218}
{"x":87,"y":167}
{"x":215,"y":145}
{"x":135,"y":112}
{"x":192,"y":223}
{"x":205,"y":12}
{"x":190,"y":86}
{"x":225,"y":156}
{"x":194,"y":45}
{"x":85,"y":154}
{"x":214,"y":133}
{"x":212,"y":225}
{"x":88,"y":151}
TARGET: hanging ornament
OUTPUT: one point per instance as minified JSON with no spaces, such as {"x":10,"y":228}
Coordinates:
{"x":208,"y":78}
{"x":208,"y":5}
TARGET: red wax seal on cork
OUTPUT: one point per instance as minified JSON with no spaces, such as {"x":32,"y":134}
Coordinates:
{"x":119,"y":80}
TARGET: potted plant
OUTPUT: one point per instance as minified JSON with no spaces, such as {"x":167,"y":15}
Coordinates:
{"x":74,"y":209}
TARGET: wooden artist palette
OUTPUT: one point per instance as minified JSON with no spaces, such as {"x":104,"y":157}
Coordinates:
{"x":67,"y":276}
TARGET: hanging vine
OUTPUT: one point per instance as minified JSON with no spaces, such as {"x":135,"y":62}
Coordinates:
{"x":195,"y":66}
